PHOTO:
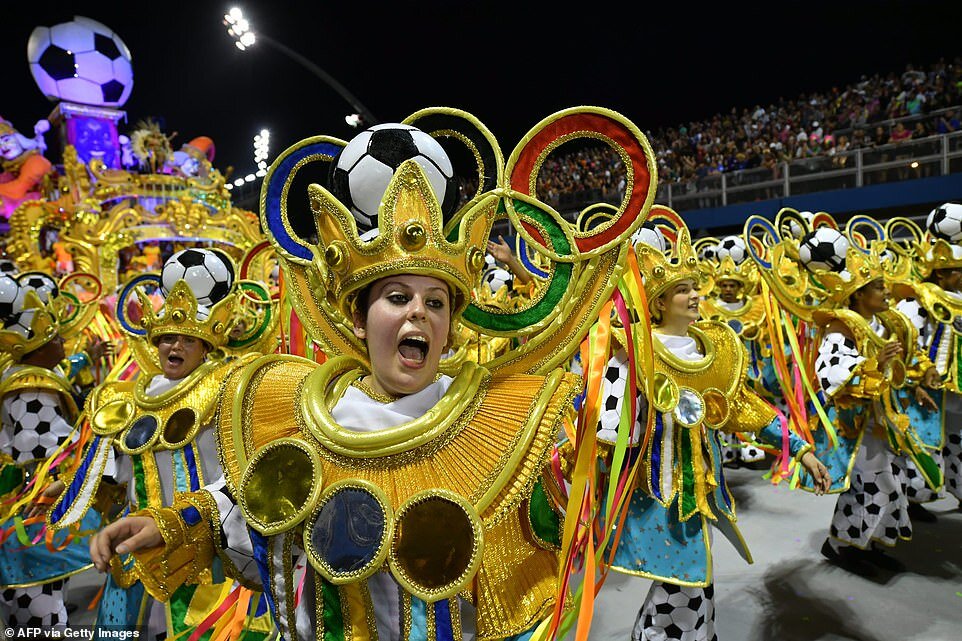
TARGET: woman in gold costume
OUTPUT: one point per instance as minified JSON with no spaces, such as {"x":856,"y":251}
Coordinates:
{"x":385,"y":497}
{"x":154,"y":435}
{"x":693,"y":389}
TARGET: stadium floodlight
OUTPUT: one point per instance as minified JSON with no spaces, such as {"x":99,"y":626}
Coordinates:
{"x":241,"y":31}
{"x":239,"y":28}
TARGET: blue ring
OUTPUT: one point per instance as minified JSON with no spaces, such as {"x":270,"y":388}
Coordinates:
{"x":122,"y":302}
{"x":767,"y":225}
{"x":530,"y":266}
{"x":280,"y":175}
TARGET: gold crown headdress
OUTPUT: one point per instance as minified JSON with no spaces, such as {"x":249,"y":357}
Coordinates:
{"x":179,"y":315}
{"x":803,"y":290}
{"x":744,"y":272}
{"x":661,"y":270}
{"x":325,"y":268}
{"x":411,"y":240}
{"x":31,"y":328}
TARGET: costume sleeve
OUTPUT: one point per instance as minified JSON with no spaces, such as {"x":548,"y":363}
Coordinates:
{"x":748,"y":412}
{"x":917,"y":315}
{"x":613,"y":388}
{"x":842,"y":371}
{"x":195,"y":527}
{"x":771,"y":435}
{"x":35,"y":425}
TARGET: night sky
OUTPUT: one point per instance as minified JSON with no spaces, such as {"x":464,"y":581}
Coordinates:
{"x":509,"y":63}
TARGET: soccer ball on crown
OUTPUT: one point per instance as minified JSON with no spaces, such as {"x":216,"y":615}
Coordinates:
{"x":497,"y":278}
{"x":20,"y":323}
{"x":733,"y":246}
{"x":797,"y":230}
{"x":44,"y":285}
{"x":650,"y":235}
{"x":823,"y":249}
{"x":81,"y":61}
{"x":945,"y":222}
{"x":208,"y":273}
{"x":8,"y":267}
{"x":708,"y":253}
{"x":363,"y":169}
{"x":11,"y":297}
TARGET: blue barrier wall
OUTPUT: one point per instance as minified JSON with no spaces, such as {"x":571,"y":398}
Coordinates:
{"x":906,"y":193}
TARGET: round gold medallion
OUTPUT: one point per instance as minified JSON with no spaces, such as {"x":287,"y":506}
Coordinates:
{"x":280,"y":485}
{"x":112,"y":417}
{"x":436,"y":549}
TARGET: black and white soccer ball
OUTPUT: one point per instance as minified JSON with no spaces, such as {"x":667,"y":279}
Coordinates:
{"x":823,"y":250}
{"x":797,"y":230}
{"x":496,"y":278}
{"x":733,"y":247}
{"x":11,"y":297}
{"x":8,"y":267}
{"x":945,"y":222}
{"x":20,"y":323}
{"x":708,"y":253}
{"x":650,"y":235}
{"x":363,"y":169}
{"x":209,"y":274}
{"x":81,"y":61}
{"x":44,"y":285}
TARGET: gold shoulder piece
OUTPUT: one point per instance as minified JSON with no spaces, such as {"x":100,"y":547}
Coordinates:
{"x":256,"y":406}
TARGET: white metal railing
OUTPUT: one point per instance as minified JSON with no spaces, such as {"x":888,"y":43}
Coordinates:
{"x":937,"y":155}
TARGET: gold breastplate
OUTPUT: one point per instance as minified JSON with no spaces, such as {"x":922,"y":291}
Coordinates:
{"x":456,"y":479}
{"x":702,"y":390}
{"x":170,"y":420}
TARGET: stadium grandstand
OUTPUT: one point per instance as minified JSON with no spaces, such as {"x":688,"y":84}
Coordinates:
{"x":849,"y":145}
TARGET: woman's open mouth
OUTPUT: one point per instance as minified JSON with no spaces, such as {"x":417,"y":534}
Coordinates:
{"x":175,"y":361}
{"x":413,"y":351}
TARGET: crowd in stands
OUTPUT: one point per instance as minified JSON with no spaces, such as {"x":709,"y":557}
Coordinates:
{"x":822,"y":126}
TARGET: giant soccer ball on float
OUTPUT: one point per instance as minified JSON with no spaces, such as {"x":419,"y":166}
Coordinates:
{"x":81,"y":61}
{"x":363,"y":169}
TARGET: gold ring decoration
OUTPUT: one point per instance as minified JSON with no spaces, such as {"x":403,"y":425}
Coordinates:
{"x":141,"y":434}
{"x":665,"y":393}
{"x":112,"y":417}
{"x":690,"y":410}
{"x":717,"y":407}
{"x":180,"y":428}
{"x":280,"y":485}
{"x":897,"y":373}
{"x":437,"y":545}
{"x":350,"y":530}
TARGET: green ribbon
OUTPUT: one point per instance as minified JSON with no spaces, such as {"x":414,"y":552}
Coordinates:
{"x":333,"y":623}
{"x":545,"y":521}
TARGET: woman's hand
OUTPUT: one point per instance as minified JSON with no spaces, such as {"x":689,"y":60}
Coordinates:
{"x":924,"y":400}
{"x":932,"y":379}
{"x":129,"y":534}
{"x":890,"y":351}
{"x":821,"y":479}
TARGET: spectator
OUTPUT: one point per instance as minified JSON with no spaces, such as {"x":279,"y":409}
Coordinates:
{"x":947,"y":123}
{"x":899,"y":134}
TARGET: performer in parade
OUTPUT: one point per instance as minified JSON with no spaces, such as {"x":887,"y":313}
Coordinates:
{"x":682,"y":493}
{"x":39,"y":432}
{"x":865,"y":351}
{"x":936,"y":287}
{"x":408,"y":503}
{"x":153,"y":435}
